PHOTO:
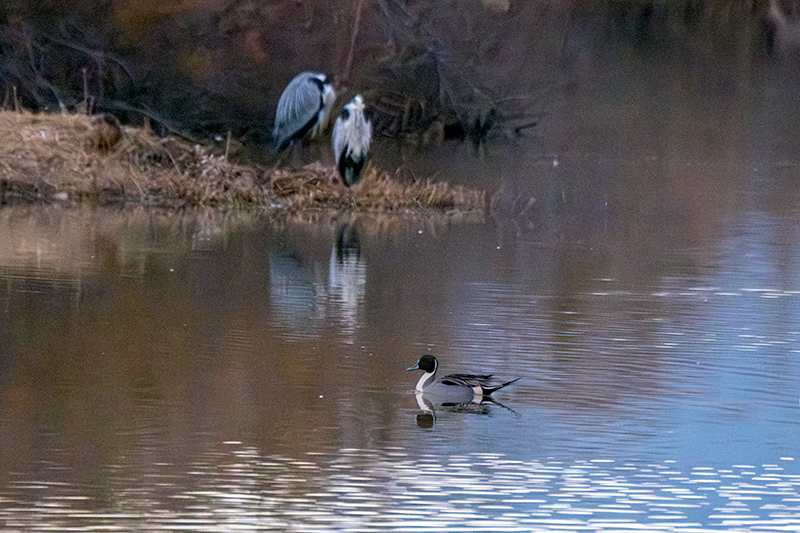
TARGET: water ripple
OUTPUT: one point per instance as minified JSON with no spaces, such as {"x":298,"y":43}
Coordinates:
{"x":355,"y":490}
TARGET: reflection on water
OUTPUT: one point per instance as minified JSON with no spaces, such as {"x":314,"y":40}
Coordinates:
{"x":306,"y":297}
{"x":429,"y":408}
{"x":347,"y":275}
{"x":392,"y":490}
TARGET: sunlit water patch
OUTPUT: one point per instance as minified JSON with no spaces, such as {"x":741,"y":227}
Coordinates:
{"x":392,"y":490}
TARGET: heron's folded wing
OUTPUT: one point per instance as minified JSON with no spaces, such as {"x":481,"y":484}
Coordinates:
{"x":298,"y":108}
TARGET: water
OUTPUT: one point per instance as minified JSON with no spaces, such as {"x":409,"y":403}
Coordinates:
{"x":213,"y":371}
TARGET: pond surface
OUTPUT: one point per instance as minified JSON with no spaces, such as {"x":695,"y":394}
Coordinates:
{"x":639,"y":271}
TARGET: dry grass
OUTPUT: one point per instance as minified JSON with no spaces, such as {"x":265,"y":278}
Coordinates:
{"x":76,"y":158}
{"x":318,"y":186}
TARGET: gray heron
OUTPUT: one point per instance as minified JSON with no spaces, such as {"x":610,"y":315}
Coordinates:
{"x":351,"y":136}
{"x":304,"y":108}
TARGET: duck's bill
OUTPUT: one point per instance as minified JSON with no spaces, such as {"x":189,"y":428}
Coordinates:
{"x":415,"y":367}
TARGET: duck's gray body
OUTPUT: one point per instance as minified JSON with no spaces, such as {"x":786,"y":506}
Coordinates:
{"x":454,"y":388}
{"x":304,"y":109}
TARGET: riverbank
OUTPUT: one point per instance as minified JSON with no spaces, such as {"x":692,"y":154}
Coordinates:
{"x":74,"y":158}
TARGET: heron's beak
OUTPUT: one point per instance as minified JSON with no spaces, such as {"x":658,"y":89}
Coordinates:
{"x":415,"y":367}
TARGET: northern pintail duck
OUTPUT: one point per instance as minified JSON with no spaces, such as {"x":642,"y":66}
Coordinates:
{"x":455,"y":387}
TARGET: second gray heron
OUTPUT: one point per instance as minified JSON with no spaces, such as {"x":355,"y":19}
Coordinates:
{"x":352,"y":134}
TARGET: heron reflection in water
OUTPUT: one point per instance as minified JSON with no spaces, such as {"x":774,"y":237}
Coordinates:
{"x":347,"y":275}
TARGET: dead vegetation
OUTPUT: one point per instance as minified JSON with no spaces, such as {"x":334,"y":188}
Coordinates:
{"x":78,"y":158}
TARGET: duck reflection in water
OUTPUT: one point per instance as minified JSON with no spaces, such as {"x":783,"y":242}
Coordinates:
{"x":470,"y":393}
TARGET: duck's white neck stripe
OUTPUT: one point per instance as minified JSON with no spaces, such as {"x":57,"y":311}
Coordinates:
{"x":424,"y":379}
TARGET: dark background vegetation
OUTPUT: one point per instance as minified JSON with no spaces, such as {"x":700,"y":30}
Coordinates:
{"x":429,"y":69}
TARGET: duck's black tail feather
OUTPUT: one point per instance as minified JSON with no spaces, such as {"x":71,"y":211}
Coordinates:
{"x":489,"y":391}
